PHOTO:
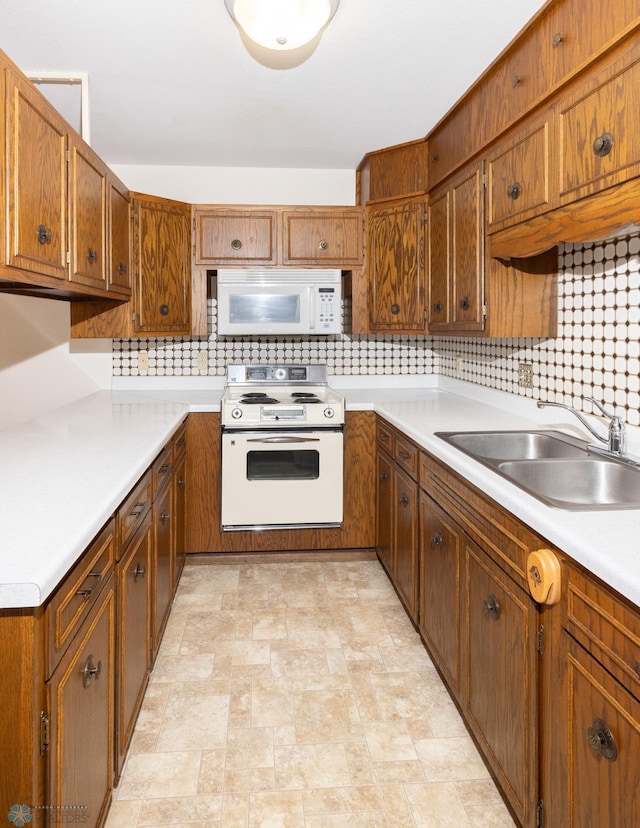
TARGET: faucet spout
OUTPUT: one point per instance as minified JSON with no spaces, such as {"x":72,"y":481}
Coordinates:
{"x":616,"y":438}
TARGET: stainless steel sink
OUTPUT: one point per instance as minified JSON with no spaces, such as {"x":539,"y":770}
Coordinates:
{"x":516,"y":445}
{"x":553,"y":467}
{"x":591,"y":483}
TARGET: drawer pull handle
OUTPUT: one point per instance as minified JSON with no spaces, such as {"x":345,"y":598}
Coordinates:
{"x":601,"y":740}
{"x":138,"y":572}
{"x":236,"y":244}
{"x":404,"y":501}
{"x":403,"y":455}
{"x":85,"y":593}
{"x":636,"y":667}
{"x":514,"y":190}
{"x":92,"y":255}
{"x":395,"y":309}
{"x":603,"y":144}
{"x":324,"y":245}
{"x":164,"y":468}
{"x":465,"y":304}
{"x":90,"y":672}
{"x":436,"y":540}
{"x":558,"y":39}
{"x":44,"y":234}
{"x":491,"y":607}
{"x":138,"y":509}
{"x":164,"y":517}
{"x":384,"y":477}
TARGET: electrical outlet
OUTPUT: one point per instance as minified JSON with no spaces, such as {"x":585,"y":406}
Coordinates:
{"x":143,"y":361}
{"x":203,"y":360}
{"x":525,"y":375}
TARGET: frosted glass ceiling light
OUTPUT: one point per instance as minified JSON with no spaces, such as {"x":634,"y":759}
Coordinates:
{"x":281,"y":24}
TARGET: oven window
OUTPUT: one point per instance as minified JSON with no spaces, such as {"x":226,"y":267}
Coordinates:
{"x":296,"y":464}
{"x":252,"y":308}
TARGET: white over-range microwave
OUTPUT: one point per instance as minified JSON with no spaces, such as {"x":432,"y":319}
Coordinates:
{"x":279,"y":301}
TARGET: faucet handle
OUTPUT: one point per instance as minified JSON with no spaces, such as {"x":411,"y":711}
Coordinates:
{"x":602,"y":408}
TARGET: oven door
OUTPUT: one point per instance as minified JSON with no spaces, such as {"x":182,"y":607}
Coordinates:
{"x":281,"y":479}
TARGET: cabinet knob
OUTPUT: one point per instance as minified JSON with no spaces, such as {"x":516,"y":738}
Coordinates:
{"x":491,"y":607}
{"x":44,"y":234}
{"x":601,"y":740}
{"x":514,"y":190}
{"x":603,"y":144}
{"x":122,"y":269}
{"x":516,"y":81}
{"x":138,"y":572}
{"x":403,"y":501}
{"x":324,"y":245}
{"x":90,"y":672}
{"x":92,"y":255}
{"x":384,"y":477}
{"x":437,"y":307}
{"x":236,"y":244}
{"x":164,"y":310}
{"x":181,"y":482}
{"x":436,"y":540}
{"x":395,"y":309}
{"x":164,"y":517}
{"x":557,"y":40}
{"x":434,"y":157}
{"x":465,"y":304}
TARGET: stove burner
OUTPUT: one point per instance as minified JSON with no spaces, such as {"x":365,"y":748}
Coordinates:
{"x":303,"y":394}
{"x":258,"y":399}
{"x":252,"y":394}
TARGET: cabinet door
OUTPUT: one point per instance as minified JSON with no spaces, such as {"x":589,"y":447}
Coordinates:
{"x":519,"y":181}
{"x":234,"y":237}
{"x":603,"y":733}
{"x":599,"y":144}
{"x":119,"y":211}
{"x":37,"y":180}
{"x":134,"y":634}
{"x":329,"y":239}
{"x":384,"y":512}
{"x":439,"y":588}
{"x":88,"y":216}
{"x":467,"y":250}
{"x":406,"y":540}
{"x":163,"y":273}
{"x":179,"y":518}
{"x":500,"y":678}
{"x":81,"y":703}
{"x":395,"y":260}
{"x":162,"y":568}
{"x":439,"y":224}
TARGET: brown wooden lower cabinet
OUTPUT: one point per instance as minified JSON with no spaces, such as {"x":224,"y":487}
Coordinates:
{"x":163,"y":582}
{"x":203,"y":504}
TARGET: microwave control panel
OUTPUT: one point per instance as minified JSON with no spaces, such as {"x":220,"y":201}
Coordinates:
{"x":328,"y":310}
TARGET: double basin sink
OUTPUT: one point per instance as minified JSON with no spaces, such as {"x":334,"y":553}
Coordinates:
{"x":553,"y":467}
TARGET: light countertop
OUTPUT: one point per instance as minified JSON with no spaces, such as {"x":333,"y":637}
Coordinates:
{"x":67,"y":471}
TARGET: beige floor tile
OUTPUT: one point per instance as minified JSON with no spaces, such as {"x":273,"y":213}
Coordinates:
{"x":194,"y":723}
{"x":327,"y":716}
{"x":235,"y":810}
{"x":395,"y":697}
{"x":269,"y":624}
{"x":299,"y":663}
{"x":271,"y":703}
{"x":489,"y":816}
{"x":436,"y":805}
{"x":341,"y":800}
{"x":240,"y":702}
{"x":450,"y":759}
{"x":160,"y":775}
{"x":389,"y":741}
{"x":211,"y":774}
{"x":248,"y":779}
{"x":360,"y":765}
{"x":182,"y":668}
{"x":310,"y":766}
{"x":358,"y":819}
{"x":396,"y":806}
{"x":123,"y":814}
{"x":191,"y":809}
{"x":399,"y":771}
{"x":276,"y":809}
{"x":250,"y":747}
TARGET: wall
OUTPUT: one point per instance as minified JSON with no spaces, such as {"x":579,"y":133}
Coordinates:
{"x":596,"y":352}
{"x":39,"y":370}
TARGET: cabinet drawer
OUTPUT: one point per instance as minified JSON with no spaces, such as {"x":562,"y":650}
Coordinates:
{"x":384,"y":436}
{"x":519,"y":175}
{"x":179,"y":443}
{"x":406,"y":454}
{"x":162,"y":468}
{"x":131,"y":513}
{"x":235,"y":237}
{"x":599,"y":143}
{"x":605,"y":626}
{"x":333,"y":238}
{"x":75,"y":596}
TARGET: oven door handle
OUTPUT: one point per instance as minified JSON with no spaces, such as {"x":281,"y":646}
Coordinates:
{"x":284,"y":440}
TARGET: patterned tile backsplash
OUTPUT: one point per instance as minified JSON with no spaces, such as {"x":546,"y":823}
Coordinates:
{"x":596,"y":353}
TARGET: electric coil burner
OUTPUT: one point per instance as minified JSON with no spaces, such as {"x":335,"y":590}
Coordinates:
{"x":282,"y":448}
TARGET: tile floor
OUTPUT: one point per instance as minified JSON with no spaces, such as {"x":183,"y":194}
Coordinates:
{"x":298,"y":694}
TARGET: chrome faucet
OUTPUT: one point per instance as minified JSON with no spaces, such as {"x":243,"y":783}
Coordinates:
{"x":616,"y":438}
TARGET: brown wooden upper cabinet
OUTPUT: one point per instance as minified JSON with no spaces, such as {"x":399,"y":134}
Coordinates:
{"x":396,"y":266}
{"x":520,"y":174}
{"x":58,"y":214}
{"x":393,"y":172}
{"x":119,"y":238}
{"x":270,"y":236}
{"x":456,"y":253}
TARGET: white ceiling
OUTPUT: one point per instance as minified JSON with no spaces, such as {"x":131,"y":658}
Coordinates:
{"x":172,"y":83}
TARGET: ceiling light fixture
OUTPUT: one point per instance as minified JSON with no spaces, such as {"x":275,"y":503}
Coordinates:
{"x":282,"y":24}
